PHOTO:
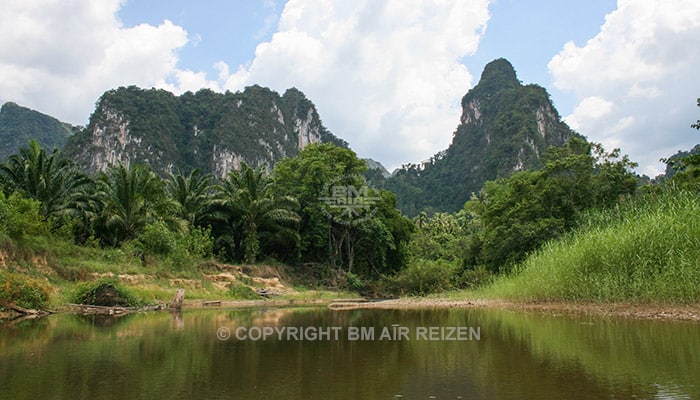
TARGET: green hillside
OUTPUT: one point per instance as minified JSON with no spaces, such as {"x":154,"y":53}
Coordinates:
{"x":19,"y":124}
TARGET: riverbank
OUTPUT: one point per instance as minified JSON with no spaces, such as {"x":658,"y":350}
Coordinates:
{"x":680,"y":312}
{"x":687,"y":312}
{"x":212,"y":284}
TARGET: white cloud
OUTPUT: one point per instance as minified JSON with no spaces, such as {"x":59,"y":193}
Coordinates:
{"x":590,"y":108}
{"x":385,"y":75}
{"x":59,"y":57}
{"x":636,"y":80}
{"x":179,"y":81}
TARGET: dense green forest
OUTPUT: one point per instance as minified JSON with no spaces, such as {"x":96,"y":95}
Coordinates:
{"x":315,"y":212}
{"x":19,"y":124}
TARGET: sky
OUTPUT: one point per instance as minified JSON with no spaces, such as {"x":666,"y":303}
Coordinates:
{"x":385,"y":75}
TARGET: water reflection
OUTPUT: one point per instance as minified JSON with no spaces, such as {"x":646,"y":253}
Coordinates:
{"x":519,"y":356}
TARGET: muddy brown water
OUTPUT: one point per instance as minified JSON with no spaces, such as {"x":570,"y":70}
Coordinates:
{"x":317,"y":353}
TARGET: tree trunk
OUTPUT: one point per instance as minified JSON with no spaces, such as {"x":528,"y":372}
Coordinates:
{"x":23,"y":311}
{"x":350,"y":249}
{"x":177,"y":300}
{"x":252,"y":245}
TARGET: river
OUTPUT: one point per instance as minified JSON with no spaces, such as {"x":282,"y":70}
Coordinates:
{"x":316,"y":353}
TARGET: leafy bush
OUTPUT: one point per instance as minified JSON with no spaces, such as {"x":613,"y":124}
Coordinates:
{"x":181,"y":250}
{"x":157,"y":239}
{"x":354,"y":282}
{"x":519,"y":214}
{"x":106,"y":292}
{"x":426,"y":276}
{"x":23,"y":291}
{"x":20,"y":218}
{"x":199,"y":243}
{"x":474,"y":277}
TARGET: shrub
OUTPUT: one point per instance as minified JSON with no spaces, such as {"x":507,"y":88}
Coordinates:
{"x":199,"y":243}
{"x":106,"y":292}
{"x":191,"y":247}
{"x":426,"y":276}
{"x":23,"y":291}
{"x":474,"y":277}
{"x":355,"y":282}
{"x":180,"y":250}
{"x":157,"y":239}
{"x":20,"y":218}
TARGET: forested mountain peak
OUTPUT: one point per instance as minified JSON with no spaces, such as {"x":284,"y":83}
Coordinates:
{"x":20,"y":124}
{"x":213,"y":132}
{"x":505,"y":127}
{"x":497,"y":75}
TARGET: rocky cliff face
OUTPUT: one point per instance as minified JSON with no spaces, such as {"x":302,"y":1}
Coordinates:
{"x":505,"y":127}
{"x":113,"y":141}
{"x":206,"y":130}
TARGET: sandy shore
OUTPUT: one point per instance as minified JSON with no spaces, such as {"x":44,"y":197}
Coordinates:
{"x":689,"y":312}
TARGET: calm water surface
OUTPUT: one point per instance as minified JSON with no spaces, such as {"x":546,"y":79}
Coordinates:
{"x":518,"y":355}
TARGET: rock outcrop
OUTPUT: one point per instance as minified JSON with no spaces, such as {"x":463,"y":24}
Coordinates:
{"x":505,"y":127}
{"x":206,"y":130}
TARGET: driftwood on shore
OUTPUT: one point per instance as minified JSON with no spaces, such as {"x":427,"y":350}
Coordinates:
{"x":25,"y":311}
{"x":352,"y":304}
{"x":113,"y":310}
{"x":267,"y":293}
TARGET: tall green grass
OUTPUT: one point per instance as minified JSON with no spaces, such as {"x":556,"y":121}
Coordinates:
{"x":646,"y":250}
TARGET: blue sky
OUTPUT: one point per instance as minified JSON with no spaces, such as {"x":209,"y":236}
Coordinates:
{"x":385,"y":75}
{"x":222,"y":30}
{"x":530,"y":33}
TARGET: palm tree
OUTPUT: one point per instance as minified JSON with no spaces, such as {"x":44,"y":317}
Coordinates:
{"x":422,"y":220}
{"x":132,"y":197}
{"x":192,"y":195}
{"x":57,"y":184}
{"x":248,"y":195}
{"x":444,"y":222}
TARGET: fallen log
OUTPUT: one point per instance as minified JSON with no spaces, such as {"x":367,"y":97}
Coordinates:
{"x":267,"y":293}
{"x":107,"y":310}
{"x":113,"y":310}
{"x":25,"y":311}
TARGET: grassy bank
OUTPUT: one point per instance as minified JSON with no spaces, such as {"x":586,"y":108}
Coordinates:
{"x":47,"y":272}
{"x":647,"y":250}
